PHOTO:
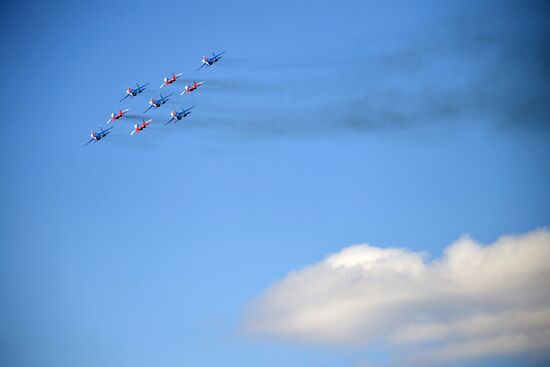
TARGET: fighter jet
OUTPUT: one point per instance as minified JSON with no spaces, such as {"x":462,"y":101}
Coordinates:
{"x":192,"y":87}
{"x":132,"y":92}
{"x":178,"y":115}
{"x":170,"y":80}
{"x":118,"y":115}
{"x":155,"y":103}
{"x":139,"y":127}
{"x":209,"y":61}
{"x":98,"y":136}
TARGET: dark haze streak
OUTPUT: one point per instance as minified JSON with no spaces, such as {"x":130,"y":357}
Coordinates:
{"x":496,"y":75}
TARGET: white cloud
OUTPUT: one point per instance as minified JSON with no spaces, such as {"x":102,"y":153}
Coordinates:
{"x":474,"y":301}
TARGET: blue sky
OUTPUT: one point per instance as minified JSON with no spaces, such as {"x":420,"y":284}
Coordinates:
{"x":326,"y":125}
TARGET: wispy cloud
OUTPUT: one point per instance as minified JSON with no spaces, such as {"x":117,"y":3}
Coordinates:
{"x":474,"y":301}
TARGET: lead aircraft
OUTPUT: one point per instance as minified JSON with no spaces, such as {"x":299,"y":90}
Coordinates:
{"x":209,"y":61}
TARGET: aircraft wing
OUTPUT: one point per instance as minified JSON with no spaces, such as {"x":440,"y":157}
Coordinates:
{"x":218,"y":55}
{"x":133,"y":131}
{"x":203,"y":65}
{"x":109,"y":120}
{"x":126,"y":96}
{"x":163,"y":84}
{"x":148,"y":108}
{"x":172,"y":119}
{"x":184,"y":91}
{"x":89,"y":141}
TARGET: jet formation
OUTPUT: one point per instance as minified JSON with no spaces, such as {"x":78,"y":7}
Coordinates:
{"x":155,"y":103}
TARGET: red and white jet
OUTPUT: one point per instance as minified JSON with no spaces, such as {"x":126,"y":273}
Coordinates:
{"x":139,"y":127}
{"x":192,"y":87}
{"x":170,"y":80}
{"x":116,"y":116}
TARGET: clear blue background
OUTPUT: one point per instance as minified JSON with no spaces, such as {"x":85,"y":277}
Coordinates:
{"x":326,"y":124}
